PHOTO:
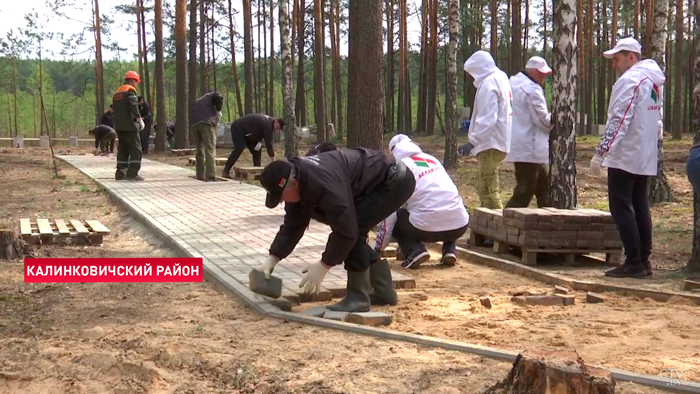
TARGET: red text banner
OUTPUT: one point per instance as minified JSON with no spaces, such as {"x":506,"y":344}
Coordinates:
{"x":66,"y":270}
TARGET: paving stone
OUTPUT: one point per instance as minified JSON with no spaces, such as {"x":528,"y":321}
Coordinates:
{"x":545,"y":300}
{"x":594,"y":298}
{"x":689,"y":285}
{"x":369,"y":318}
{"x":317,"y":311}
{"x":333,"y":315}
{"x":270,"y":287}
{"x":567,"y":299}
{"x":486,"y":302}
{"x":561,"y":290}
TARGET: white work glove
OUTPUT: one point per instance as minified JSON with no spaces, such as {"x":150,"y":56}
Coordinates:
{"x":258,"y":146}
{"x":268,"y":266}
{"x":218,"y":116}
{"x":313,"y":276}
{"x":141,"y":124}
{"x":596,"y":163}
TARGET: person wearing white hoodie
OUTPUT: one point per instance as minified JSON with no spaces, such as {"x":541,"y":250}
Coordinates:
{"x":629,"y":150}
{"x":435,"y":211}
{"x":490,"y":125}
{"x":532,"y":123}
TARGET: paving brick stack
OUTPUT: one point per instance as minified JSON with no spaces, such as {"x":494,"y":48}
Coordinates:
{"x":548,"y":228}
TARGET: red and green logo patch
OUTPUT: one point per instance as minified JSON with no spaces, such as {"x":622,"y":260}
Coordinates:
{"x":655,"y":93}
{"x":421,"y":162}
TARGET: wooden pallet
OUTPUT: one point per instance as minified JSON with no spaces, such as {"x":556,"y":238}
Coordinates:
{"x":249,"y":173}
{"x":50,"y":231}
{"x":551,"y":231}
{"x":220,"y":161}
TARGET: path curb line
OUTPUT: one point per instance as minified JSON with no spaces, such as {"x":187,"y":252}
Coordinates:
{"x":258,"y":303}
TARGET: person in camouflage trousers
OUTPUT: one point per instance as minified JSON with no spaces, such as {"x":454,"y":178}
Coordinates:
{"x":128,"y":124}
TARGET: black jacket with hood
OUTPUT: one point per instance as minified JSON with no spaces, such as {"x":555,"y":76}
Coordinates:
{"x":330,"y":183}
{"x":255,"y":128}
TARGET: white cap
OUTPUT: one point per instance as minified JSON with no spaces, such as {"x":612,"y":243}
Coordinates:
{"x":625,"y":44}
{"x":539,"y":64}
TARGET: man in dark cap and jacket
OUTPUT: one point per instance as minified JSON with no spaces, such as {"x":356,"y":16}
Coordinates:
{"x":351,"y":190}
{"x":249,"y":131}
{"x":205,"y":114}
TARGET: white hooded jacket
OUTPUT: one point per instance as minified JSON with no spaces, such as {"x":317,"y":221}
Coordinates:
{"x":531,"y":122}
{"x":435,"y":204}
{"x":631,"y":135}
{"x":492,"y":116}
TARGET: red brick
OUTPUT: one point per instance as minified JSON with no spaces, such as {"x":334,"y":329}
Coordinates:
{"x":543,"y":216}
{"x":561,"y":290}
{"x":546,"y":300}
{"x":567,"y":299}
{"x":509,"y":213}
{"x":594,"y":298}
{"x":369,"y":318}
{"x":526,"y":215}
{"x":512,"y":230}
{"x":590,"y":235}
{"x":510,"y":222}
{"x":513,"y":239}
{"x":611,"y":235}
{"x":543,"y":242}
{"x":544,"y":226}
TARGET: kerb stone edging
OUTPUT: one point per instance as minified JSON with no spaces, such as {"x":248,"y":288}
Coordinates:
{"x":259,"y":304}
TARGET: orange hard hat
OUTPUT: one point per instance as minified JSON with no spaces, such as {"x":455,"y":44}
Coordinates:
{"x":132,"y":75}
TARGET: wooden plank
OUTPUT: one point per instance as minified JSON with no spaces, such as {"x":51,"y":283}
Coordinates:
{"x":79,"y":227}
{"x":97,"y":227}
{"x":44,"y":227}
{"x":62,"y":228}
{"x":26,"y":226}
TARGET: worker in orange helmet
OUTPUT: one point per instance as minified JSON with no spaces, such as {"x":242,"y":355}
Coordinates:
{"x":128,"y":124}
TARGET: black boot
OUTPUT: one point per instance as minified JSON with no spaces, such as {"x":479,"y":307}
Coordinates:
{"x":383,"y":292}
{"x":357,"y":297}
{"x":647,"y":266}
{"x":628,"y":270}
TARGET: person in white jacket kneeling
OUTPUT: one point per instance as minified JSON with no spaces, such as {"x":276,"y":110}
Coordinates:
{"x":530,"y":138}
{"x":490,"y":125}
{"x":435,"y":211}
{"x":629,"y":149}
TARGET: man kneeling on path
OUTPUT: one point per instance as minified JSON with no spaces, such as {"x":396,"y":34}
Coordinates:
{"x":435,"y":212}
{"x":351,"y":190}
{"x":530,"y":135}
{"x":249,"y":131}
{"x":104,"y":136}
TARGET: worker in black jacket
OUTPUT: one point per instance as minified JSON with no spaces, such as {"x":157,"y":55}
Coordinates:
{"x":351,"y":190}
{"x":104,"y":135}
{"x":107,"y":119}
{"x":147,"y":116}
{"x":249,"y":131}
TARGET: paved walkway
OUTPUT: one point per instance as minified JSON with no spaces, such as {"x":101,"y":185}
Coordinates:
{"x":226,"y":223}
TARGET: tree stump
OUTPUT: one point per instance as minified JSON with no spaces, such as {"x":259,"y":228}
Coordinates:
{"x":11,"y":247}
{"x":545,"y":372}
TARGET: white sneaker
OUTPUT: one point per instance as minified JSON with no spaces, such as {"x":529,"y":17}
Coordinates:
{"x":449,"y":259}
{"x":416,"y":261}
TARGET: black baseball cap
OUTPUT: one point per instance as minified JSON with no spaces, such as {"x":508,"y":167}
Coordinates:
{"x":274,"y":178}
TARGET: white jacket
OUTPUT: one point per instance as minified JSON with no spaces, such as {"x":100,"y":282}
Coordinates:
{"x":492,"y":116}
{"x":435,"y":204}
{"x":631,"y":135}
{"x":531,"y":122}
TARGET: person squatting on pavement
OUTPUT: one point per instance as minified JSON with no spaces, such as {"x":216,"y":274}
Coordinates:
{"x":205,"y":114}
{"x":490,"y":125}
{"x":128,"y":123}
{"x":351,"y":190}
{"x":249,"y":131}
{"x":435,"y":211}
{"x":530,"y":135}
{"x":629,"y":149}
{"x":107,"y":119}
{"x":104,"y":135}
{"x":147,"y":116}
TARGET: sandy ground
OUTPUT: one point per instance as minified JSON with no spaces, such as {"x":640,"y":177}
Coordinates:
{"x":191,"y":338}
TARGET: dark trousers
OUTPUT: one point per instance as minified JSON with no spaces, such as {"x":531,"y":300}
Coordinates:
{"x":692,"y":168}
{"x":111,"y":146}
{"x":629,"y":206}
{"x":531,"y":180}
{"x":145,"y":137}
{"x":240,"y":144}
{"x":107,"y":140}
{"x":129,"y":153}
{"x":410,"y":238}
{"x":375,"y":207}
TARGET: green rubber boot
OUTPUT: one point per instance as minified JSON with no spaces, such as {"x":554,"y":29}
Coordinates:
{"x":380,"y":280}
{"x":357,"y":297}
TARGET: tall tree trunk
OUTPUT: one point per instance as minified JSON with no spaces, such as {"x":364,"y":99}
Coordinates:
{"x":192,"y":68}
{"x":140,"y":45}
{"x":544,"y":24}
{"x":613,"y":38}
{"x":319,"y":75}
{"x":301,"y":78}
{"x":494,"y":28}
{"x":248,"y":58}
{"x":14,"y":89}
{"x":339,"y":91}
{"x":147,"y":94}
{"x":389,"y":94}
{"x":99,"y":69}
{"x":422,"y":77}
{"x":590,"y":81}
{"x":160,"y":88}
{"x":291,"y":148}
{"x":636,"y":19}
{"x":668,"y":103}
{"x":181,"y":107}
{"x":580,"y":65}
{"x":234,"y":64}
{"x":272,"y":57}
{"x":562,"y":177}
{"x":212,"y":27}
{"x":526,"y":33}
{"x":602,"y":41}
{"x":678,"y":77}
{"x":366,"y":73}
{"x":659,"y":189}
{"x":265,"y":87}
{"x":202,"y":49}
{"x":258,"y":63}
{"x":516,"y":53}
{"x":694,"y":263}
{"x":432,"y":69}
{"x":451,"y":114}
